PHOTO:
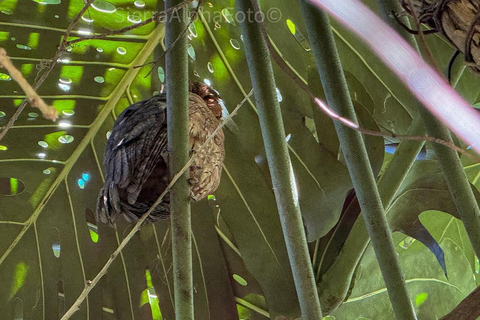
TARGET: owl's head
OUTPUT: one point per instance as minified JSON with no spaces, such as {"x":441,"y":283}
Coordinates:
{"x":211,"y":97}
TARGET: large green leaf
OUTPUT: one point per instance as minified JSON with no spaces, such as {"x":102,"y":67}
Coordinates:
{"x":50,"y":173}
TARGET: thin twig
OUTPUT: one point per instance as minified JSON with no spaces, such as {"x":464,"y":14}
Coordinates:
{"x":423,"y":42}
{"x":58,"y":54}
{"x":92,"y":283}
{"x":35,"y":100}
{"x":332,"y":114}
{"x":192,"y":19}
{"x":156,"y":16}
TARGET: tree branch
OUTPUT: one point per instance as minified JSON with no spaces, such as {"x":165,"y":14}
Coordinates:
{"x":353,"y":147}
{"x":35,"y":100}
{"x":271,"y":124}
{"x":58,"y":54}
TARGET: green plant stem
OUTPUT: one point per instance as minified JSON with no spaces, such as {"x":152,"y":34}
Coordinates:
{"x":336,"y":282}
{"x":456,"y":179}
{"x":452,"y":167}
{"x":353,"y":147}
{"x":261,"y":73}
{"x":176,"y":66}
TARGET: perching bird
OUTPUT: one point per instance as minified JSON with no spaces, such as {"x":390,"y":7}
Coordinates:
{"x":136,"y":156}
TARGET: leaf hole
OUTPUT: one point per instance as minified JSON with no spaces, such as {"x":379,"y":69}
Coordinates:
{"x":60,"y":298}
{"x":11,"y":186}
{"x":240,"y":280}
{"x":297,"y":35}
{"x":18,"y":309}
{"x":92,"y":225}
{"x":56,"y":246}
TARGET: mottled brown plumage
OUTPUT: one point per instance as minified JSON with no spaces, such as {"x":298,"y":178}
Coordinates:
{"x":136,"y":156}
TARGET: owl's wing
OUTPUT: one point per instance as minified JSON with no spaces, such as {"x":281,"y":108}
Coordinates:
{"x":137,"y":143}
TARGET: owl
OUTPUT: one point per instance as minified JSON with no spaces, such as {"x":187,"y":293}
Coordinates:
{"x":136,"y":156}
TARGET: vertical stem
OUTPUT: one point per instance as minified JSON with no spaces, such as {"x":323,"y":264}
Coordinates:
{"x":281,"y":170}
{"x":456,"y":179}
{"x":452,"y":168}
{"x":353,"y":147}
{"x":179,"y":149}
{"x":336,"y":282}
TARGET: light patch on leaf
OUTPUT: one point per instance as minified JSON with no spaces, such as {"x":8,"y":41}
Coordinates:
{"x":19,"y":277}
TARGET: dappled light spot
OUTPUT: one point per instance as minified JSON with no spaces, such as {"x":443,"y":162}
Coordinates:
{"x":108,"y":310}
{"x":99,"y":79}
{"x":48,"y":1}
{"x":192,"y":31}
{"x":33,"y":115}
{"x":6,"y":12}
{"x":297,"y":34}
{"x":92,"y":225}
{"x":191,"y":52}
{"x":85,"y":32}
{"x":134,"y":18}
{"x":421,"y":298}
{"x":108,"y":134}
{"x":150,"y":296}
{"x":60,"y":298}
{"x":87,"y":19}
{"x":121,"y":50}
{"x":406,"y":242}
{"x":99,"y":49}
{"x":288,"y":137}
{"x":235,"y":44}
{"x":47,"y":171}
{"x":104,"y":6}
{"x":56,"y":16}
{"x":139,"y":3}
{"x":5,"y":77}
{"x":3,"y":148}
{"x":210,"y":67}
{"x":2,"y":114}
{"x":161,"y":74}
{"x":23,"y":47}
{"x":207,"y":82}
{"x":279,"y":96}
{"x":65,"y":139}
{"x":41,"y":155}
{"x":65,"y":83}
{"x":64,"y":124}
{"x":18,"y":309}
{"x":56,"y":246}
{"x":19,"y":276}
{"x":65,"y":80}
{"x":239,"y":279}
{"x":13,"y":38}
{"x":227,"y":15}
{"x":43,"y":144}
{"x":68,"y":112}
{"x":11,"y":186}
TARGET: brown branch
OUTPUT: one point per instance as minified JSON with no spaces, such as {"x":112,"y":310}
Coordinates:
{"x":58,"y":54}
{"x":156,"y":16}
{"x":330,"y":113}
{"x":35,"y":100}
{"x":467,"y":309}
{"x":92,"y":283}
